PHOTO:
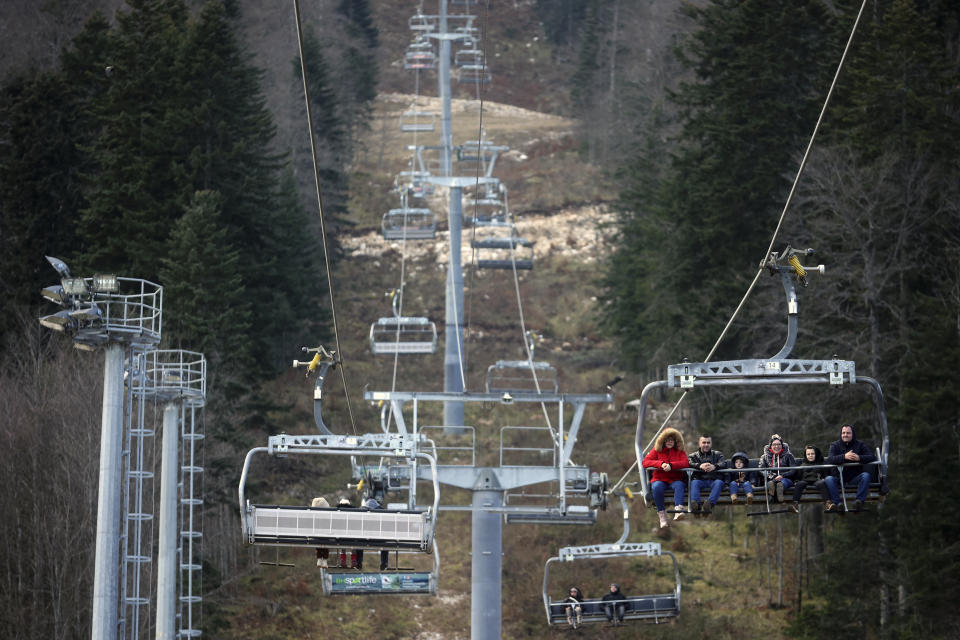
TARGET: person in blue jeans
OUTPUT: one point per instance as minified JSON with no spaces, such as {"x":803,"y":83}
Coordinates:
{"x":777,"y":461}
{"x":744,"y":478}
{"x":705,"y":462}
{"x":852,"y":454}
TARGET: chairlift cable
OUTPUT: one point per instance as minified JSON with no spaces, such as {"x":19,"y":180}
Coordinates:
{"x":323,"y":224}
{"x":783,"y":214}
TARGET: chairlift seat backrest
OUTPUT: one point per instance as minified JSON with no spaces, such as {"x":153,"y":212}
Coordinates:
{"x":409,"y":223}
{"x":518,"y":376}
{"x":297,"y":526}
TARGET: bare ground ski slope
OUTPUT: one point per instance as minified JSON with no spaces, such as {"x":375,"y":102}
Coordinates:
{"x":728,"y":580}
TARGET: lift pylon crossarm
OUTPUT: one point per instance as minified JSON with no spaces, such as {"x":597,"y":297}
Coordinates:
{"x":388,"y":444}
{"x":568,"y":554}
{"x":688,"y":375}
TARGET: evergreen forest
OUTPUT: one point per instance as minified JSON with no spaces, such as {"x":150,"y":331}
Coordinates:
{"x":166,"y":140}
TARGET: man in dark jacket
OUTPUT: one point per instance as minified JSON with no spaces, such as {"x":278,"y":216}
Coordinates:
{"x":705,"y":462}
{"x":614,"y":602}
{"x":852,"y":454}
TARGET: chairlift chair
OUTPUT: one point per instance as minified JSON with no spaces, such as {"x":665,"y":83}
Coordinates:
{"x":415,"y":183}
{"x":487,"y":212}
{"x":414,"y":121}
{"x":777,"y":370}
{"x":474,"y":74}
{"x":521,"y":376}
{"x":422,"y":23}
{"x":499,"y":252}
{"x":409,"y":223}
{"x":655,"y":608}
{"x":420,"y":55}
{"x":402,"y":334}
{"x":465,"y":57}
{"x":410,"y":529}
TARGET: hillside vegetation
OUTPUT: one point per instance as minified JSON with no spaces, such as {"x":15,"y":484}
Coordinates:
{"x":652,"y":148}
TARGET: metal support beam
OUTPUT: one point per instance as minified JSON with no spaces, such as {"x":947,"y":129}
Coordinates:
{"x":107,"y":563}
{"x":486,"y":563}
{"x":167,"y":549}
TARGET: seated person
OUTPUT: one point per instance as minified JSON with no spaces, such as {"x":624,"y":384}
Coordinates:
{"x":742,"y":479}
{"x":371,"y":503}
{"x":667,"y":458}
{"x":356,"y":556}
{"x":615,"y":603}
{"x":574,"y":607}
{"x":323,"y":555}
{"x":806,"y":477}
{"x":706,"y":461}
{"x":777,"y":459}
{"x":852,"y":454}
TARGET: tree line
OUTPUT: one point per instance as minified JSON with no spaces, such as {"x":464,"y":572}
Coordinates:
{"x":149,"y":151}
{"x":704,"y":171}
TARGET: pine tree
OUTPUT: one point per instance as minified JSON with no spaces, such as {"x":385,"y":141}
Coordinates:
{"x":757,"y":78}
{"x":206,"y":306}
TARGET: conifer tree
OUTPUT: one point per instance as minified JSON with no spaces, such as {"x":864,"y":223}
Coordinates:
{"x":206,"y":306}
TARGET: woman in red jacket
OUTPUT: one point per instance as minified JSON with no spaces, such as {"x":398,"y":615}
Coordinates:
{"x":666,"y":459}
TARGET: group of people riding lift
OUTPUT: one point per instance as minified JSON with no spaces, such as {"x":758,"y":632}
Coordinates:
{"x":777,"y":472}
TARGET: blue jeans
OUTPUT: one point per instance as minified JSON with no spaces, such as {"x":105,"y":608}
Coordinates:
{"x":660,"y":487}
{"x":862,"y":480}
{"x":734,"y":486}
{"x":787,"y":483}
{"x":716,"y":486}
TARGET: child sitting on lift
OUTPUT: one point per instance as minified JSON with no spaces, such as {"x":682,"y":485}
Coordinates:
{"x":574,"y":606}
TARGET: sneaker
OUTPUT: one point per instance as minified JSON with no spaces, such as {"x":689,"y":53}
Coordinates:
{"x":857,"y":505}
{"x":771,"y":489}
{"x":749,"y":498}
{"x":829,"y":506}
{"x":779,"y":492}
{"x":695,"y":508}
{"x":795,"y":506}
{"x":663,"y":519}
{"x":707,"y":507}
{"x":578,"y":619}
{"x":734,"y":499}
{"x":679,"y":515}
{"x":570,"y":621}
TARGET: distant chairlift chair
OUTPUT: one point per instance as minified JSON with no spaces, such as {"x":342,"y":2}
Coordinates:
{"x":522,"y":376}
{"x":402,"y":334}
{"x":409,"y":223}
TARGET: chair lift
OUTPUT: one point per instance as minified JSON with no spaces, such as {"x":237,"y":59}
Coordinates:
{"x":504,"y":252}
{"x":655,"y":608}
{"x":420,"y":55}
{"x":777,"y":370}
{"x":409,"y":223}
{"x":414,"y":121}
{"x":464,"y":57}
{"x":422,"y":23}
{"x":403,"y":527}
{"x":402,"y":334}
{"x":415,"y":183}
{"x":522,"y":376}
{"x":564,"y":513}
{"x":487,"y":212}
{"x":474,"y":74}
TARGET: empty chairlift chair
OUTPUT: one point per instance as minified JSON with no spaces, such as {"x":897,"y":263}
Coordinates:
{"x":402,"y":334}
{"x":414,"y":183}
{"x":410,"y":224}
{"x":414,"y":121}
{"x":420,"y":55}
{"x":503,"y":252}
{"x":465,"y":57}
{"x":474,"y":74}
{"x":522,"y":376}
